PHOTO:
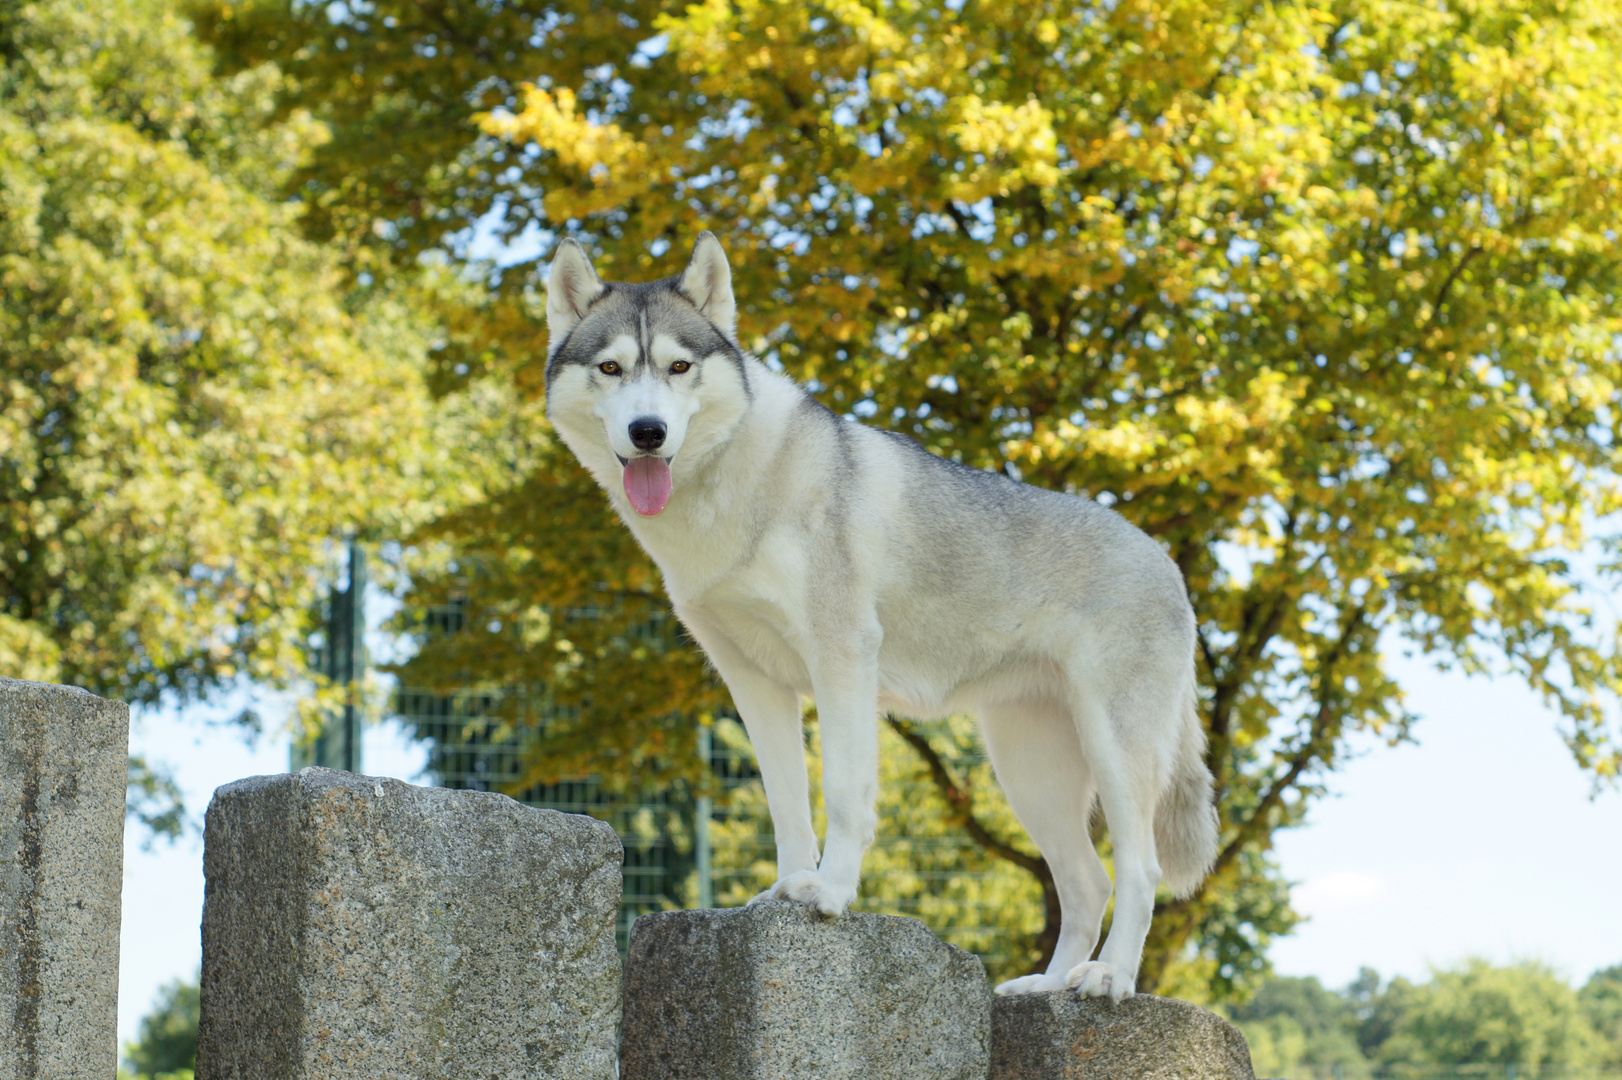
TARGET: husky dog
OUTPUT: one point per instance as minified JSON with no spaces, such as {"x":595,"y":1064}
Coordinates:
{"x":813,"y":556}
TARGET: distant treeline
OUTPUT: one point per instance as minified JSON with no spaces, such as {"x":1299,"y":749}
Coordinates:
{"x":1472,"y":1020}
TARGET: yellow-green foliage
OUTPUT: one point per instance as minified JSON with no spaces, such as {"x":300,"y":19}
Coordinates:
{"x":1321,"y":295}
{"x":1601,"y":997}
{"x":1522,"y":1015}
{"x":1474,"y":1017}
{"x":194,"y":401}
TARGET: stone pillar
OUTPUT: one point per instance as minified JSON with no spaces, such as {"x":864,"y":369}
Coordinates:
{"x":64,"y":757}
{"x":1062,"y":1036}
{"x":769,"y":992}
{"x":364,"y":928}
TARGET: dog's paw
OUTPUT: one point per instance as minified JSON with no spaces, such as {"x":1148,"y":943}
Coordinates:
{"x":814,"y":891}
{"x":1098,"y":979}
{"x":1031,"y":984}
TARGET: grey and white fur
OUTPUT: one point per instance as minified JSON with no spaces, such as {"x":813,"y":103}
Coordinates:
{"x":811,"y":556}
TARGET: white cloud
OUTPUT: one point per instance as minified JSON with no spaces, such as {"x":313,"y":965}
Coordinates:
{"x":1337,"y":892}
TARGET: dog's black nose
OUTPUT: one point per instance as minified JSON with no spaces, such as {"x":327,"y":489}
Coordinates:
{"x":648,"y":433}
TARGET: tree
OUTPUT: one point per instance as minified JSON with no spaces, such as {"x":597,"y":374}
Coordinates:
{"x":1479,"y":1014}
{"x":1475,"y":1015}
{"x":1291,"y":1023}
{"x":1601,"y":997}
{"x":1322,"y":296}
{"x":194,"y":402}
{"x":168,"y":1039}
{"x":1377,"y":1011}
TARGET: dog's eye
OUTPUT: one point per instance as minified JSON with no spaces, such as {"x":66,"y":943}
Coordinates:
{"x":608,"y":367}
{"x":679,"y":366}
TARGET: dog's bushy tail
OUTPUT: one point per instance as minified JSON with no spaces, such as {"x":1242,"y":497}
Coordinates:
{"x":1186,"y":817}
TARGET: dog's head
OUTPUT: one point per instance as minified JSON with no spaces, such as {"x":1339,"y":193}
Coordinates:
{"x":639,"y":376}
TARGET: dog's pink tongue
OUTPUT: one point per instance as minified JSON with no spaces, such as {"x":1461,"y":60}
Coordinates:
{"x":647,"y":484}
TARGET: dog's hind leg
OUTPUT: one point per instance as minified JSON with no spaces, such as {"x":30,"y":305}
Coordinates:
{"x":1119,"y":740}
{"x":1037,"y":755}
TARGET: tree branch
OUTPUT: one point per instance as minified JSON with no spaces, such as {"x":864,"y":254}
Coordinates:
{"x":1320,"y":735}
{"x":1325,"y":51}
{"x":1447,"y":284}
{"x":961,"y":801}
{"x":1177,"y":521}
{"x":958,"y":797}
{"x":1245,"y":653}
{"x":1133,"y":318}
{"x":1254,"y":634}
{"x":1174,"y":920}
{"x":1206,"y":651}
{"x":957,"y":217}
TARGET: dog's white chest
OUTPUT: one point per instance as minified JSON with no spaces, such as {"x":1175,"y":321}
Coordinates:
{"x":760,"y":607}
{"x":766,"y":637}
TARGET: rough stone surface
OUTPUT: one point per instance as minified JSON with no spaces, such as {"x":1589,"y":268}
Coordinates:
{"x":365,"y":928}
{"x":1062,"y":1036}
{"x":768,"y":992}
{"x":63,"y":768}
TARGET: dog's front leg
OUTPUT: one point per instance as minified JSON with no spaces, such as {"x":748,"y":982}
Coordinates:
{"x":771,"y":715}
{"x":845,"y":681}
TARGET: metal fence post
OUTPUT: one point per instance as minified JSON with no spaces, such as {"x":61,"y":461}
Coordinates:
{"x":701,"y":826}
{"x":343,"y":662}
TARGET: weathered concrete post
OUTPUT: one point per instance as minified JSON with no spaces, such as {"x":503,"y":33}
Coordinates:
{"x":364,"y":928}
{"x":768,"y":992}
{"x":64,"y":755}
{"x":1062,"y":1036}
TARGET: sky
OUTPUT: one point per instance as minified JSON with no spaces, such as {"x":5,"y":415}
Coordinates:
{"x":1480,"y":839}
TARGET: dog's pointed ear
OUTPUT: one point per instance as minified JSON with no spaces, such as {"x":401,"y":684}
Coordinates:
{"x":707,"y":282}
{"x":570,"y":290}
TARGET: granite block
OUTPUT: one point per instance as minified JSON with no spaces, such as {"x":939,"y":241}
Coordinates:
{"x":771,"y":992}
{"x":365,"y":928}
{"x":1062,"y":1036}
{"x":64,"y":759}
